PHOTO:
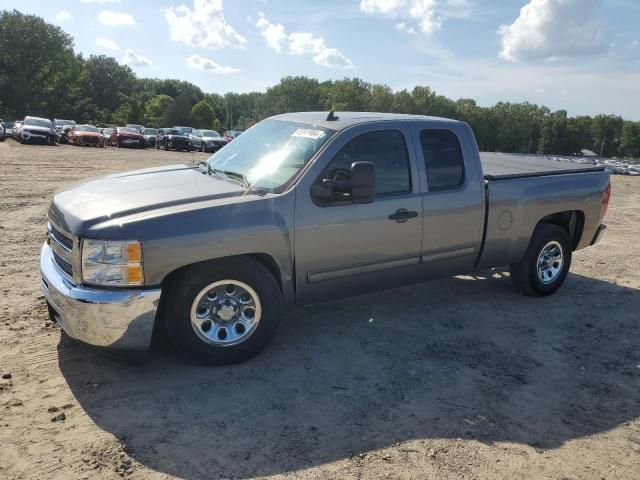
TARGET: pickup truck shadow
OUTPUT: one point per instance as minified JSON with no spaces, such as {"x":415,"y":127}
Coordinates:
{"x":459,"y":358}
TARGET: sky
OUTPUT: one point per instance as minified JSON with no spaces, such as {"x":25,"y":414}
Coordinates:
{"x":579,"y":55}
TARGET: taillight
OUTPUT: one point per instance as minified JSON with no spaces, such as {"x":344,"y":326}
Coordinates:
{"x":605,"y":200}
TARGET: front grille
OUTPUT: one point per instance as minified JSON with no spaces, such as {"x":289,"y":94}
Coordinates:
{"x":61,"y":238}
{"x":63,"y":264}
{"x":61,"y":244}
{"x":90,"y":139}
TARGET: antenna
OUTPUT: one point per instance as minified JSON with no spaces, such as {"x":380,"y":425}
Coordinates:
{"x":332,"y":117}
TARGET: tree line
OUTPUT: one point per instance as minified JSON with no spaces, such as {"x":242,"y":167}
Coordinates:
{"x":41,"y":74}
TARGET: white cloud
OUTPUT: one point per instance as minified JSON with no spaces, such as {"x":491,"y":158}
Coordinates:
{"x":115,"y":19}
{"x":107,"y":44}
{"x":425,"y":15}
{"x":273,"y":33}
{"x":101,"y":2}
{"x":203,"y":25}
{"x":201,"y":63}
{"x":404,"y":28}
{"x":550,"y":29}
{"x":63,"y":16}
{"x":301,"y":43}
{"x":134,"y":59}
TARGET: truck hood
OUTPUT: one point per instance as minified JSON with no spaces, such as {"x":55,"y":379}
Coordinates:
{"x":81,"y":206}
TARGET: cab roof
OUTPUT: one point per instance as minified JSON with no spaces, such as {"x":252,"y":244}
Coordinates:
{"x":349,"y":119}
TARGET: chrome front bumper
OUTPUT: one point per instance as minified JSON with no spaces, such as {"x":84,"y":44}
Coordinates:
{"x":104,"y":317}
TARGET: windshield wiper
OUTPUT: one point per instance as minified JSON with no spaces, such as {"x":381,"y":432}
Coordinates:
{"x":236,"y":176}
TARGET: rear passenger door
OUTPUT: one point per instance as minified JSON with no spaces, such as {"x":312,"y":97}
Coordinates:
{"x":452,"y":197}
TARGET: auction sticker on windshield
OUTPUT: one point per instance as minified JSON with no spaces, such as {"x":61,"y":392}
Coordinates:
{"x":308,"y":133}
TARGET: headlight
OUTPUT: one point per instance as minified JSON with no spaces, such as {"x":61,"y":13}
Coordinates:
{"x":109,"y":262}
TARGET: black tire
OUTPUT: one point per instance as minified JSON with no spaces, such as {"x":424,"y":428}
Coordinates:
{"x":166,"y":147}
{"x":202,"y":149}
{"x":182,"y":290}
{"x":524,"y":275}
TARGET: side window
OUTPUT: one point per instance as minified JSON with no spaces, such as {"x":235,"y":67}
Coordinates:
{"x":386,"y":149}
{"x":443,"y":159}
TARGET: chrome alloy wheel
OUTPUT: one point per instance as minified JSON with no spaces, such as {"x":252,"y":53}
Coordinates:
{"x":226,"y":313}
{"x":550,"y":262}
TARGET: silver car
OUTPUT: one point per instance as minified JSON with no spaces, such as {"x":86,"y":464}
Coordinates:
{"x":207,"y":140}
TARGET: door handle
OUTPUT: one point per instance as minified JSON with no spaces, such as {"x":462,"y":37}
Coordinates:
{"x":402,"y":215}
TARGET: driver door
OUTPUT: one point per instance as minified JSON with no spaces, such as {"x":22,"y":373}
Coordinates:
{"x":344,"y":248}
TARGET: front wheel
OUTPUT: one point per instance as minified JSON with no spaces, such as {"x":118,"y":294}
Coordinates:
{"x":546,"y":264}
{"x":222,"y":312}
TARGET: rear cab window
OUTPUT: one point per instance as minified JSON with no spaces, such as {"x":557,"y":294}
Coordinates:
{"x":443,"y":159}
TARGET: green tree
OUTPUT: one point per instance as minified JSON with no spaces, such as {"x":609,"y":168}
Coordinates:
{"x":630,"y":140}
{"x":202,"y":114}
{"x":293,"y":94}
{"x":381,"y":98}
{"x":553,"y":136}
{"x":155,"y":110}
{"x":105,"y":81}
{"x":606,"y":131}
{"x":178,"y":113}
{"x":348,"y":94}
{"x":36,"y":64}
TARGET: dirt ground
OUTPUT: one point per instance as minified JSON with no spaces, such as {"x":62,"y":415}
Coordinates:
{"x":460,"y":378}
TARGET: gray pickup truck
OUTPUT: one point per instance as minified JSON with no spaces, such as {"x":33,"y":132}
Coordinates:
{"x":301,"y":208}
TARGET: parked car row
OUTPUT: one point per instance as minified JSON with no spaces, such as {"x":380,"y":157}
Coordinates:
{"x":42,"y":130}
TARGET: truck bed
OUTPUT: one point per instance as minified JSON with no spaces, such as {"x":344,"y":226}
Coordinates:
{"x":500,"y":166}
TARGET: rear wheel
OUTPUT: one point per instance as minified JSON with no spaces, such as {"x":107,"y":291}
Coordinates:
{"x":202,"y":149}
{"x":222,"y":312}
{"x":546,"y":263}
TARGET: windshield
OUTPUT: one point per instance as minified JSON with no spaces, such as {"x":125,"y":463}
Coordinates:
{"x":38,"y":122}
{"x":210,"y":133}
{"x":61,"y":123}
{"x":175,"y":131}
{"x":271,"y":153}
{"x":150,"y":131}
{"x":86,"y":128}
{"x":127,"y":129}
{"x":185,"y":129}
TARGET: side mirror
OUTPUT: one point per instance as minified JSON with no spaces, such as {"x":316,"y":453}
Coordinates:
{"x":363,"y":182}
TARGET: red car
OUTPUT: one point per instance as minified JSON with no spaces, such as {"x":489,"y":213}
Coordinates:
{"x":126,"y":137}
{"x":230,"y":135}
{"x":85,"y":135}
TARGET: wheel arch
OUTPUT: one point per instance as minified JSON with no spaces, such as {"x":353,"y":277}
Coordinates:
{"x":572,"y":221}
{"x":265,"y":259}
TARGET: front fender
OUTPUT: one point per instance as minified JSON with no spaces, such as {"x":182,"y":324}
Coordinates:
{"x":175,"y":237}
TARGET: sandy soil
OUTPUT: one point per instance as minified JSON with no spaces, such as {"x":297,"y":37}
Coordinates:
{"x":460,"y":378}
